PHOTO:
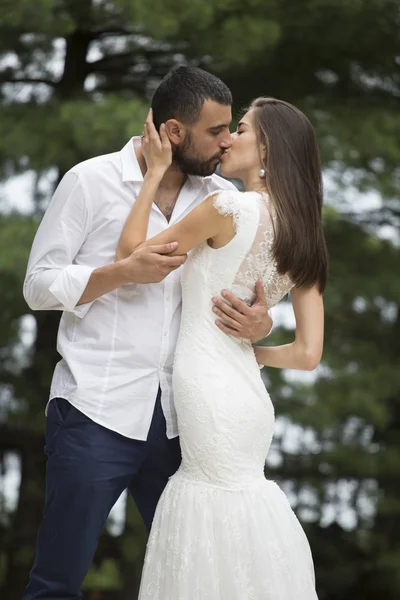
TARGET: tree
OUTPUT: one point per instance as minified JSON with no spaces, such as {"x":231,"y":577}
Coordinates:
{"x":350,"y":421}
{"x":75,"y":81}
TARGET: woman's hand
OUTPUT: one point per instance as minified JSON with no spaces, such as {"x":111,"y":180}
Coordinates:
{"x":157,"y":149}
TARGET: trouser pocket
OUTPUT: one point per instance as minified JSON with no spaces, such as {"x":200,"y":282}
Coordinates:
{"x":57,"y":416}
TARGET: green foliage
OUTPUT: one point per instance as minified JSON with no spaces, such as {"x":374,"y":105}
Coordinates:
{"x":16,"y":236}
{"x":63,"y":133}
{"x":75,"y":80}
{"x":107,"y":577}
{"x":159,"y":19}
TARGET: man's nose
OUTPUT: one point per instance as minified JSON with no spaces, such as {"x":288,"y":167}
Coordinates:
{"x":227,"y":141}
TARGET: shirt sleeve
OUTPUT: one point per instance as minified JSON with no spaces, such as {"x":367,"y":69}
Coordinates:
{"x":53,"y":280}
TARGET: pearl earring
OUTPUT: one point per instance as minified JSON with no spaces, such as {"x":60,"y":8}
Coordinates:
{"x":262,"y":173}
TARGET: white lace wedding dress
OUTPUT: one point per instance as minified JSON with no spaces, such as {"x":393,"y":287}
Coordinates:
{"x":221,"y":530}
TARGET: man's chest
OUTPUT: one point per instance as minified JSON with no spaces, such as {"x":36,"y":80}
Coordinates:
{"x":111,"y":209}
{"x":166,"y":201}
{"x":109,"y":219}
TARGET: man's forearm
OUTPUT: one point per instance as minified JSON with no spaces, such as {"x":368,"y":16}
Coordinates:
{"x":104,"y":280}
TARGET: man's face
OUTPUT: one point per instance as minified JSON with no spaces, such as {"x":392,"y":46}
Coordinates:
{"x":205,"y":141}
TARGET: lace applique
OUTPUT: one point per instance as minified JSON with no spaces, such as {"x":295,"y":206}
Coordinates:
{"x":259,"y":262}
{"x":228,"y":203}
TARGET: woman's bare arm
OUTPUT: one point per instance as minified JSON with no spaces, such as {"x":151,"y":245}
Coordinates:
{"x":135,"y":229}
{"x":157,"y":151}
{"x":203,"y":223}
{"x":306,"y":350}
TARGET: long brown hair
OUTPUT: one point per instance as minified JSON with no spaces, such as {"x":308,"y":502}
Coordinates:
{"x":294,"y":180}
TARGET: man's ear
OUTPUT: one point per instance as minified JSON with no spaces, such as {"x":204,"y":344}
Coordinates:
{"x":175,"y":131}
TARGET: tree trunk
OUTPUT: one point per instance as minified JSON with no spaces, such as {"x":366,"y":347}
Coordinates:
{"x":33,"y":387}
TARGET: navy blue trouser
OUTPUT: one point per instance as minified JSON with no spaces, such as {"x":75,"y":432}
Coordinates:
{"x":88,"y":468}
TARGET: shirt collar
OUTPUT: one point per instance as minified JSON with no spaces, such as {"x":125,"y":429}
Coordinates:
{"x":130,"y":166}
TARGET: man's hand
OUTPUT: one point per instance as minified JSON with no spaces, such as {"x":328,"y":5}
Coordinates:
{"x":149,"y":264}
{"x":242,"y":321}
{"x":152,"y":264}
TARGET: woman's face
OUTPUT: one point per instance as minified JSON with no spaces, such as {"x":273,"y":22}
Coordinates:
{"x":242,"y":159}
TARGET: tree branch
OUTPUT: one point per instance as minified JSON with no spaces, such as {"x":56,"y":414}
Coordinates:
{"x":114,"y":61}
{"x":130,"y":58}
{"x":27,"y":80}
{"x":110,"y":30}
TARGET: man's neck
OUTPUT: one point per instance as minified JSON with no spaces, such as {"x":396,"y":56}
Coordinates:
{"x":173,"y":178}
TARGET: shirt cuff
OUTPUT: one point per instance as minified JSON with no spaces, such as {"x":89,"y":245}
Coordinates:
{"x":69,"y":286}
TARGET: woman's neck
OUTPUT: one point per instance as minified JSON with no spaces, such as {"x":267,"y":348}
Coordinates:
{"x":255,"y":184}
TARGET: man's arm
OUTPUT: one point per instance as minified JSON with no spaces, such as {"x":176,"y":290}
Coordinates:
{"x":52,"y":281}
{"x":239,"y":320}
{"x":146,"y":265}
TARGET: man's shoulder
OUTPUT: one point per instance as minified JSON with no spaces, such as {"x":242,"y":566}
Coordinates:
{"x":217,"y":183}
{"x":97,"y":164}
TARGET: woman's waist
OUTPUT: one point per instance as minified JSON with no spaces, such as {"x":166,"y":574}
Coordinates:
{"x":201,"y":352}
{"x":204,"y":326}
{"x":211,"y":339}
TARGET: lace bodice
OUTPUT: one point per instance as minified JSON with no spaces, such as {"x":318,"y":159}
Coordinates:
{"x":254,"y":208}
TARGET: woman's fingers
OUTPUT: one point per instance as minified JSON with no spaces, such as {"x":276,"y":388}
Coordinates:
{"x":145,"y":136}
{"x":149,"y":118}
{"x":160,"y":141}
{"x":164,"y":137}
{"x":152,"y":131}
{"x":157,"y":149}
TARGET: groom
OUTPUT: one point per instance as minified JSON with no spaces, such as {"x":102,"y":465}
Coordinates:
{"x":111,"y":422}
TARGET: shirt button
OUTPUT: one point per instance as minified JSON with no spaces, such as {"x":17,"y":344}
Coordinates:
{"x":168,"y":298}
{"x":165,"y":333}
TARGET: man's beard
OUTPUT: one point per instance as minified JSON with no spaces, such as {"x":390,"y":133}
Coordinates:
{"x":187,"y":160}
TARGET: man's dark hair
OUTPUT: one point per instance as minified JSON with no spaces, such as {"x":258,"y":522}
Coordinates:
{"x":182,"y":93}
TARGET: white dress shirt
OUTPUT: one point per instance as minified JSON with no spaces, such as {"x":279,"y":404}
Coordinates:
{"x":118,"y":349}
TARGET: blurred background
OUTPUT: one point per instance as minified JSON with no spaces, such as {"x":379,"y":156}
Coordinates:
{"x":76,"y":77}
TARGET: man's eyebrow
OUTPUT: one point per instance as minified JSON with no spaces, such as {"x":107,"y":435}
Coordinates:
{"x":222,"y":126}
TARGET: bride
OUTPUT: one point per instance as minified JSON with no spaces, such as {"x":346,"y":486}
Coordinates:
{"x":221,"y":530}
